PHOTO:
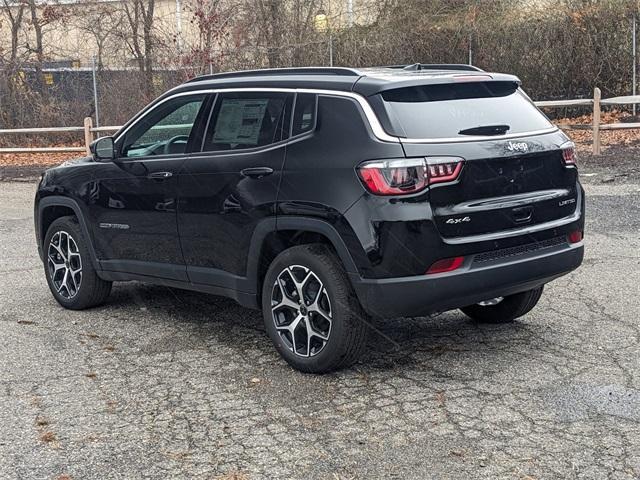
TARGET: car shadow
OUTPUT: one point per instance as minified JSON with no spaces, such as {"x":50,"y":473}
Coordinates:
{"x":403,"y":343}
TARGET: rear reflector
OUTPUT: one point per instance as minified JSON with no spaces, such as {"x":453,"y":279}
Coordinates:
{"x":575,"y":237}
{"x":446,"y":265}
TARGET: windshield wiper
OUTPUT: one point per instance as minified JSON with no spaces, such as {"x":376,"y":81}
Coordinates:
{"x":485,"y":130}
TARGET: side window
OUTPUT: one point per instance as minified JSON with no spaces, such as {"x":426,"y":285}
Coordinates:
{"x":165,"y":129}
{"x":248,"y":120}
{"x":304,"y":117}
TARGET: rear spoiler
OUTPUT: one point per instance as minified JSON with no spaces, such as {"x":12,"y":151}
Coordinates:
{"x":377,"y":81}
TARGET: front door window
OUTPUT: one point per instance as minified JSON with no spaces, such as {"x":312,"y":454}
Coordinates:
{"x":165,"y":130}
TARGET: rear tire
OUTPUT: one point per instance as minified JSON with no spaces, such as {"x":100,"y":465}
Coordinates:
{"x":311,"y":312}
{"x":68,"y":267}
{"x":507,"y":310}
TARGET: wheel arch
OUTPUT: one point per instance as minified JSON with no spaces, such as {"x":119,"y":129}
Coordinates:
{"x":272,"y":237}
{"x":54,"y":207}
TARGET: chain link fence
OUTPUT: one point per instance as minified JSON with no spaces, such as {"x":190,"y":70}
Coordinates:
{"x":560,"y":51}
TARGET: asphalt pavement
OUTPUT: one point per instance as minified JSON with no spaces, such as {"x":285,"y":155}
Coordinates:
{"x":160,"y":383}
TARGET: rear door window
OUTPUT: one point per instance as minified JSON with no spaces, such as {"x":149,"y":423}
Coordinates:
{"x":450,"y":110}
{"x":304,"y":117}
{"x":246,"y":120}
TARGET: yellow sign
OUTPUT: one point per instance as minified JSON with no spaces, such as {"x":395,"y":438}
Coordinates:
{"x":321,"y":22}
{"x":48,"y":78}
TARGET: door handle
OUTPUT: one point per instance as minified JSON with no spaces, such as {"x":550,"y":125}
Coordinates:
{"x":256,"y":172}
{"x":160,"y":175}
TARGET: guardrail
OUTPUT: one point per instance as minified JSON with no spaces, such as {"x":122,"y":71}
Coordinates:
{"x":596,"y":126}
{"x":88,"y":129}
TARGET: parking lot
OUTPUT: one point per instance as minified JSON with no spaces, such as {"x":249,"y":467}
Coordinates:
{"x":161,"y":383}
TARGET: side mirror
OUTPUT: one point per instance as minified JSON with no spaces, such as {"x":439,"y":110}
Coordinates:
{"x":103,"y":149}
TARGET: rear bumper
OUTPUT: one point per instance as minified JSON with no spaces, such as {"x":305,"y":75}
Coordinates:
{"x":474,"y":282}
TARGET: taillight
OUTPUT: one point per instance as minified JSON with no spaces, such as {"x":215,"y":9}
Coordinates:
{"x":575,"y":236}
{"x":408,"y":175}
{"x":394,"y":177}
{"x":446,"y":265}
{"x":444,"y":169}
{"x":569,"y":154}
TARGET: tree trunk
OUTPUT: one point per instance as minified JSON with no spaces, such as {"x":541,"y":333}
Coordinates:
{"x":38,"y":50}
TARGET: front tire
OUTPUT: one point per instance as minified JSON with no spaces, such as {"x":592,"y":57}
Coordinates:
{"x":72,"y":279}
{"x":507,"y":310}
{"x":311,"y":312}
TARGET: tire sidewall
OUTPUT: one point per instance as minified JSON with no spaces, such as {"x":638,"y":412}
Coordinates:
{"x":72,"y":228}
{"x":340,"y":308}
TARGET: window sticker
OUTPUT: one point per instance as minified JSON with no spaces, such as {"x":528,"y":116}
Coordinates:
{"x":240,"y":121}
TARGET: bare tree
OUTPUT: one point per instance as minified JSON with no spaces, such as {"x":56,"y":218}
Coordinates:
{"x":101,"y":20}
{"x":42,"y":14}
{"x":14,"y":14}
{"x":138,"y":34}
{"x":212,"y":19}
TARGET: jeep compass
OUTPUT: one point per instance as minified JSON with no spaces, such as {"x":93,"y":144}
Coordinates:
{"x":324,"y":197}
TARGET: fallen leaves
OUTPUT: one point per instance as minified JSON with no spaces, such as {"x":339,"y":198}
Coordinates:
{"x":584,"y":138}
{"x":44,"y":159}
{"x":48,"y":437}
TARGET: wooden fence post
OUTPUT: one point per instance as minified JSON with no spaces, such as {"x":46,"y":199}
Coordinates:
{"x":88,"y":134}
{"x":596,"y":121}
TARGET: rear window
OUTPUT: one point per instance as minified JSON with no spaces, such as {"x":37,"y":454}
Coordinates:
{"x":445,"y":110}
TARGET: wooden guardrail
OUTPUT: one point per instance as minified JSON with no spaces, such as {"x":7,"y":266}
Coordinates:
{"x":596,"y":126}
{"x":88,"y":129}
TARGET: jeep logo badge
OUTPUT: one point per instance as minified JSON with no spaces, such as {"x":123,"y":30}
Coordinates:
{"x":518,"y":147}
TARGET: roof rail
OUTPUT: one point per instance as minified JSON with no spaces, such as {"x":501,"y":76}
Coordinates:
{"x":340,"y":71}
{"x":437,"y":66}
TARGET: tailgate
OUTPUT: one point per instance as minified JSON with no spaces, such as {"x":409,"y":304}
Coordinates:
{"x":495,"y":194}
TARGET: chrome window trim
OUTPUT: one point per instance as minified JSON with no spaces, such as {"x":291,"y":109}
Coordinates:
{"x":372,"y":119}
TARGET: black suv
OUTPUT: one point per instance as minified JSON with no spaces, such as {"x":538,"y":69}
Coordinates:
{"x":324,"y":196}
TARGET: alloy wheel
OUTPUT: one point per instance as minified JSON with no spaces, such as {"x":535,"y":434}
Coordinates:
{"x":301,"y":310}
{"x":64,"y":264}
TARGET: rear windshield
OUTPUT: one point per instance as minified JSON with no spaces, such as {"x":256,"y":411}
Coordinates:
{"x":474,"y":108}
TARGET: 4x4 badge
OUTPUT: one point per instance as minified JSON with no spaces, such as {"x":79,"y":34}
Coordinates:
{"x":453,"y":221}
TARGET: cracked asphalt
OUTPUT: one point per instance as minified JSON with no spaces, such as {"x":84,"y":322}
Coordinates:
{"x":160,"y":383}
